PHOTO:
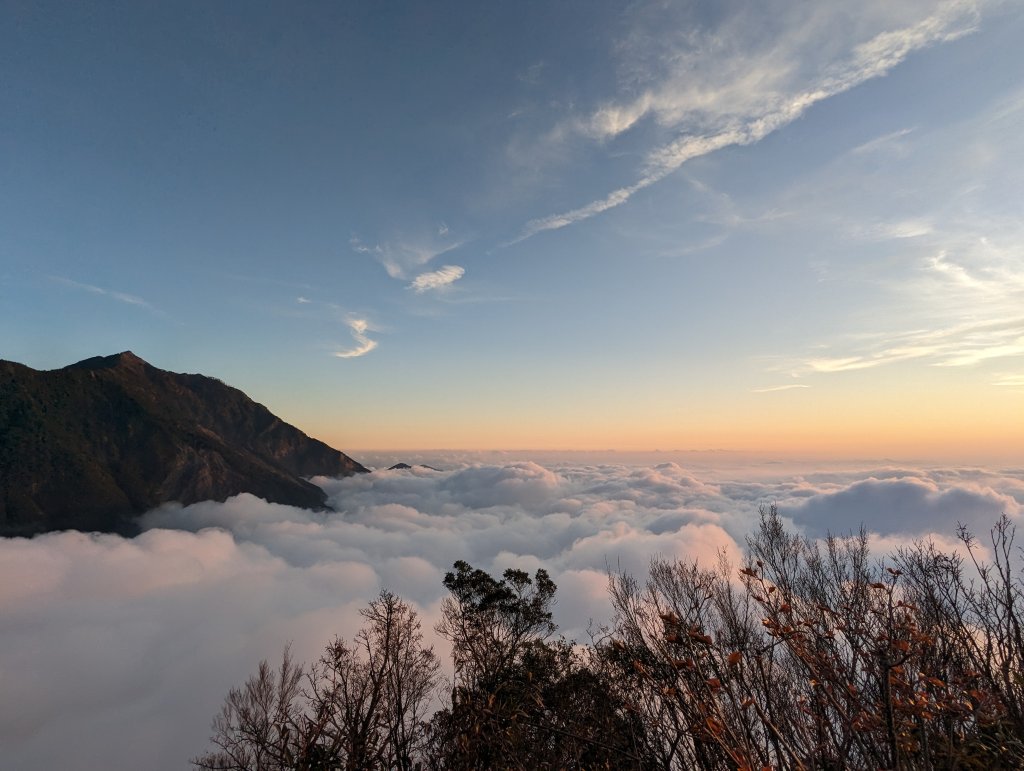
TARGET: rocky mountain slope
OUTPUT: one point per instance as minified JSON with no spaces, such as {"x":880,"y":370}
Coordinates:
{"x":91,"y":445}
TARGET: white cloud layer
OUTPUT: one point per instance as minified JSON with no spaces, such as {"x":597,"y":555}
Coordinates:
{"x":117,"y":652}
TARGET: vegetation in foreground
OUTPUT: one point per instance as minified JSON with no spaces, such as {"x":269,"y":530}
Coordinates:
{"x":811,"y":655}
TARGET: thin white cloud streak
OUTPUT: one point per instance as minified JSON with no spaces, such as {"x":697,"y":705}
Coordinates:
{"x":773,"y":389}
{"x":902,"y":229}
{"x":133,"y":643}
{"x":885,"y":143}
{"x":871,"y":360}
{"x":955,"y":346}
{"x":675,"y":155}
{"x":438,"y":279}
{"x":364,"y":344}
{"x":758,"y":100}
{"x":128,"y":299}
{"x":982,"y":269}
{"x":1009,"y":381}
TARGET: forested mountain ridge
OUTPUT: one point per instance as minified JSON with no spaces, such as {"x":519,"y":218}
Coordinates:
{"x":91,"y":445}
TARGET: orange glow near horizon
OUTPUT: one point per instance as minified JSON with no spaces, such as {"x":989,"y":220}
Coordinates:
{"x":928,"y":428}
{"x":902,"y":412}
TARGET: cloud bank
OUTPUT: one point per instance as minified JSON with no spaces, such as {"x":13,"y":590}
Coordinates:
{"x":117,"y":652}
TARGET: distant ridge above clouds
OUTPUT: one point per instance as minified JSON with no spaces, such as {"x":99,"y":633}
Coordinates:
{"x":406,"y":467}
{"x":90,"y":446}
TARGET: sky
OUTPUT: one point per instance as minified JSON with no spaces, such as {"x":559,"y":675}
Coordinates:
{"x":642,"y":267}
{"x":777,"y":226}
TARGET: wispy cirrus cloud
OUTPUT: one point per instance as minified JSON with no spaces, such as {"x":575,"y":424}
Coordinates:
{"x":773,"y":389}
{"x":887,"y":143}
{"x":953,"y":346}
{"x":897,"y":230}
{"x":944,"y":273}
{"x":939,"y":239}
{"x":734,"y":85}
{"x":404,"y":256}
{"x":978,"y":267}
{"x":364,"y":344}
{"x":442,"y":278}
{"x":128,"y":299}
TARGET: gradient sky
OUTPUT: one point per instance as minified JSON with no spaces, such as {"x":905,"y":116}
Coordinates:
{"x":795,"y":226}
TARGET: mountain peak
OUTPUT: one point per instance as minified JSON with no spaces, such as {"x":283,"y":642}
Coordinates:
{"x":90,"y":446}
{"x":125,"y":359}
{"x":406,"y":467}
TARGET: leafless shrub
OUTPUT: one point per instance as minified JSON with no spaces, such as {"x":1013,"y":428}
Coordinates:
{"x":361,"y":706}
{"x":824,"y":659}
{"x":811,"y":655}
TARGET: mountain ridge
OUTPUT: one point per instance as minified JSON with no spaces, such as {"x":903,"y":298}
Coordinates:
{"x":91,"y":445}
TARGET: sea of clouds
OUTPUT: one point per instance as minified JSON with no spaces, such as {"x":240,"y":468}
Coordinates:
{"x":115,"y":653}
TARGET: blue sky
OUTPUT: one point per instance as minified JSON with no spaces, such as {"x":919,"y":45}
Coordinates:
{"x":590,"y":225}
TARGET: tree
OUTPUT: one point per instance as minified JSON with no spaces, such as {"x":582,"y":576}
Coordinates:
{"x":360,"y":706}
{"x":520,"y":700}
{"x":490,"y":622}
{"x":975,"y":608}
{"x":261,"y":726}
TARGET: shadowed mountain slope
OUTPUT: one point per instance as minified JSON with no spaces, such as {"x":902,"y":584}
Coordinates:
{"x":91,"y":445}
